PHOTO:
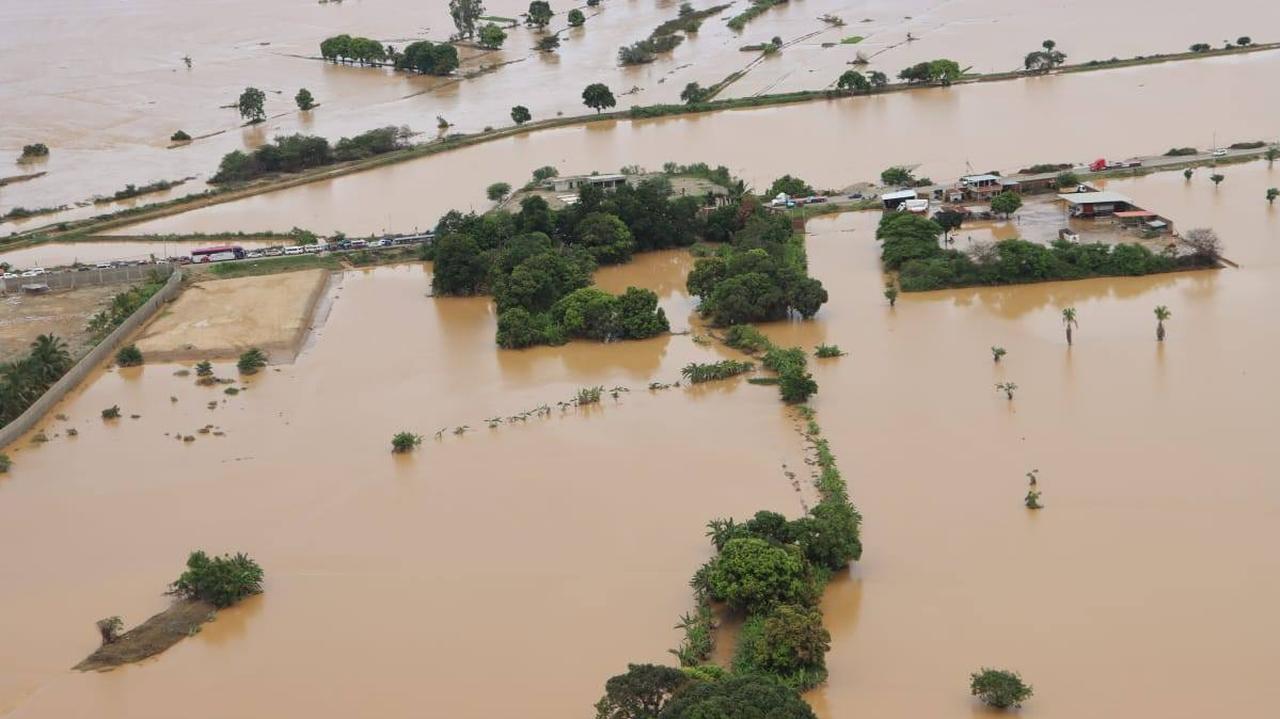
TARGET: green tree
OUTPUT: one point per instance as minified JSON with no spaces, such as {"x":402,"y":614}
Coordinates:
{"x":251,"y":361}
{"x":999,"y":688}
{"x":129,"y":356}
{"x":795,"y":384}
{"x":891,"y":294}
{"x":788,"y":642}
{"x":547,"y":43}
{"x":459,"y":268}
{"x":793,"y":186}
{"x":221,"y":581}
{"x":1006,"y":203}
{"x":1271,"y":154}
{"x":546,"y":172}
{"x":48,"y":359}
{"x":1066,"y":180}
{"x":948,"y":220}
{"x":1162,"y":314}
{"x":639,"y":316}
{"x":640,"y":693}
{"x":1008,"y":388}
{"x":597,"y":96}
{"x":520,"y":115}
{"x":693,"y":93}
{"x":897,"y":176}
{"x":465,"y":13}
{"x":606,"y":237}
{"x":180,"y":136}
{"x":251,"y":104}
{"x":1217,"y":179}
{"x":517,"y":328}
{"x":429,"y":58}
{"x":997,"y":353}
{"x":738,"y":697}
{"x":853,"y":81}
{"x":877,"y":79}
{"x":492,"y":36}
{"x":336,"y":48}
{"x":1187,"y":173}
{"x":1069,"y":321}
{"x":498,"y":191}
{"x":304,"y":100}
{"x":576,"y":18}
{"x":1272,"y":194}
{"x":539,"y":14}
{"x":753,"y":574}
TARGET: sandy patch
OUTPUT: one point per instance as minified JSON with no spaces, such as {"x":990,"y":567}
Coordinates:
{"x":222,"y":318}
{"x":64,"y":314}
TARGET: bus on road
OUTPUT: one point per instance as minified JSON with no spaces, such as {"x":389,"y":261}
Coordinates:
{"x":217,"y":254}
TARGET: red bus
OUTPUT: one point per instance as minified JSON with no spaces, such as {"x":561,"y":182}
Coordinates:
{"x":218,"y":254}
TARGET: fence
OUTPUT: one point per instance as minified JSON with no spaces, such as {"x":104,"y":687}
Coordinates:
{"x":88,"y":278}
{"x":100,"y":352}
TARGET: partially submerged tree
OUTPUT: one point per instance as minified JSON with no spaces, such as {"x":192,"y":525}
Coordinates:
{"x":640,"y":693}
{"x":304,"y":100}
{"x":498,"y":191}
{"x":251,"y":104}
{"x":129,"y":356}
{"x":221,"y":581}
{"x":597,"y":96}
{"x":1162,"y":314}
{"x":1069,"y":321}
{"x":576,"y":18}
{"x":997,"y":353}
{"x":520,"y":115}
{"x":492,"y":36}
{"x":539,"y":14}
{"x":999,"y":688}
{"x":404,"y":442}
{"x":1272,"y":194}
{"x":853,"y":81}
{"x":465,"y":13}
{"x":891,"y":294}
{"x":1008,"y":388}
{"x":1217,"y":179}
{"x":1006,"y":203}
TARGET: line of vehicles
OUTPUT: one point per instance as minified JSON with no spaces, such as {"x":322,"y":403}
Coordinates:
{"x":224,"y":253}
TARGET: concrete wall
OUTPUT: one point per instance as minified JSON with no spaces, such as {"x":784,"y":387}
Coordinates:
{"x":99,"y":354}
{"x":88,"y":278}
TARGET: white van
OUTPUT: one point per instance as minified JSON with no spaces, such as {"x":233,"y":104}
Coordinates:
{"x":295,"y":250}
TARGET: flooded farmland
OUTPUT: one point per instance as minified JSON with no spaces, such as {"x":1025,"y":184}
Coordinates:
{"x":581,"y":529}
{"x":509,"y":570}
{"x":945,"y":131}
{"x":107,"y":111}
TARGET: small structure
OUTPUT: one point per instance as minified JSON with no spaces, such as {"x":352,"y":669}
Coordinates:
{"x":1009,"y":185}
{"x":1095,"y":204}
{"x":573,"y":183}
{"x":891,"y":200}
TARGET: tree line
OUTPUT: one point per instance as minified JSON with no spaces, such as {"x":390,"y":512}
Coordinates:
{"x":294,"y":153}
{"x":423,"y":56}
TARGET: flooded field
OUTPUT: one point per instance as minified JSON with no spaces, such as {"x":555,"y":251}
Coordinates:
{"x":947,"y":132}
{"x":1153,"y":550}
{"x":107,"y":109}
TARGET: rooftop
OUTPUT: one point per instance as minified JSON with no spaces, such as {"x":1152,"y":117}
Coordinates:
{"x":900,"y":195}
{"x":1091,"y":198}
{"x":980,"y":178}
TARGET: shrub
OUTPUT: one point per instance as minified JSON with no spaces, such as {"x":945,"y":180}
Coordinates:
{"x":221,"y":581}
{"x":795,"y":384}
{"x":204,"y":368}
{"x":180,"y":136}
{"x":1067,"y":180}
{"x":589,"y":395}
{"x":5,"y":463}
{"x":546,"y":172}
{"x":112,"y":412}
{"x":999,"y":688}
{"x":827,"y":351}
{"x":251,"y":361}
{"x":129,"y":356}
{"x":1181,"y":151}
{"x":697,"y":373}
{"x":38,"y":149}
{"x":404,"y":442}
{"x":746,"y":338}
{"x":897,"y":176}
{"x":110,"y":628}
{"x":777,"y":358}
{"x":789,"y":642}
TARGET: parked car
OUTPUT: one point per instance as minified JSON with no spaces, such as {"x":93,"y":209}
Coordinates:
{"x":104,"y":265}
{"x":273,"y":251}
{"x":295,"y":250}
{"x":10,"y":275}
{"x":254,"y":254}
{"x":359,"y":244}
{"x":1219,"y":152}
{"x":34,"y":272}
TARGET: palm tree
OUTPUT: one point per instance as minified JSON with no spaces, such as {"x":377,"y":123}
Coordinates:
{"x":1069,"y":321}
{"x":1162,"y":314}
{"x":49,"y":358}
{"x":997,"y":353}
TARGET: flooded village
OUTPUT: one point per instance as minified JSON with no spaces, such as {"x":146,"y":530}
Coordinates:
{"x":753,"y":389}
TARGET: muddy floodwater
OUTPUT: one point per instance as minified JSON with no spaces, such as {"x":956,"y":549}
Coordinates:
{"x":944,"y":132}
{"x":107,"y":108}
{"x":508,"y":572}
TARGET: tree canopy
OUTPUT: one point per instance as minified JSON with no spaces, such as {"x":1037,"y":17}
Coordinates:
{"x":597,"y":96}
{"x":752,"y":696}
{"x":539,"y":14}
{"x":251,"y":104}
{"x":465,"y":13}
{"x":429,"y":58}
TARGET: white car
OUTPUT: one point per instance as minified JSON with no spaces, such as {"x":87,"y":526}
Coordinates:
{"x":10,"y":275}
{"x":1219,"y":152}
{"x":33,"y":272}
{"x":254,"y":254}
{"x":103,"y":265}
{"x":295,"y":250}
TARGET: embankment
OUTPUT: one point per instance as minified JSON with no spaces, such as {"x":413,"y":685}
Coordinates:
{"x":180,"y":620}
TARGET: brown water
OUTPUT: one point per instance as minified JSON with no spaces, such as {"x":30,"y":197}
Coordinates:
{"x":507,"y":572}
{"x":107,"y":108}
{"x":946,"y":131}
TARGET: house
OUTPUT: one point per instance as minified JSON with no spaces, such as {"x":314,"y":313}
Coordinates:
{"x":980,"y":186}
{"x":891,"y":200}
{"x":573,"y":183}
{"x":1095,"y":204}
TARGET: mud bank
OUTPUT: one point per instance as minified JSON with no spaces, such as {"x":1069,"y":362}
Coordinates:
{"x":161,"y":631}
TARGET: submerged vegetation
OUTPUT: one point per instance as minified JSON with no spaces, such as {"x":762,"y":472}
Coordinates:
{"x":220,"y":581}
{"x":295,"y":153}
{"x":404,"y":442}
{"x":999,"y":688}
{"x":697,"y":373}
{"x":909,"y":244}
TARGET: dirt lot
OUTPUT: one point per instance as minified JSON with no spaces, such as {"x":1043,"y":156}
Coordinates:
{"x":222,"y":318}
{"x":65,"y":314}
